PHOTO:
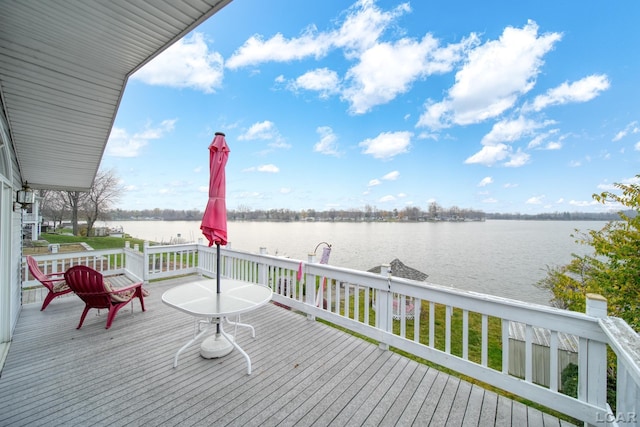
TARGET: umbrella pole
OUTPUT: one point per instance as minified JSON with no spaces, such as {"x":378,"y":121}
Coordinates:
{"x":216,"y":346}
{"x":218,"y":281}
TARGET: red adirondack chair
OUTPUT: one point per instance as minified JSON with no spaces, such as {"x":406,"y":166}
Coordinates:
{"x":54,"y":282}
{"x":96,"y":292}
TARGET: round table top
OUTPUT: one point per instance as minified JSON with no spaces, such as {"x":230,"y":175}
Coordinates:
{"x":201,"y":299}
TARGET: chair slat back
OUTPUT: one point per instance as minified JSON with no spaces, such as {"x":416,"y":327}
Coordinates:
{"x":37,"y":273}
{"x":88,"y":284}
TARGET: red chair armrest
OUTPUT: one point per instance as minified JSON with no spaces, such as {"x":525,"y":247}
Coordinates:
{"x":126,"y":288}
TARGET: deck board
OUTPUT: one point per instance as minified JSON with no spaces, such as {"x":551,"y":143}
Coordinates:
{"x":304,"y":373}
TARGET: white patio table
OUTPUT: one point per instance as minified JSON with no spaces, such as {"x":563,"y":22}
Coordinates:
{"x":200,"y":299}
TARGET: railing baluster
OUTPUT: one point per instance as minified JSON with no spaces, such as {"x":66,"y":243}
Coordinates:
{"x":346,"y":299}
{"x":432,"y":324}
{"x":367,"y":305}
{"x":465,"y":334}
{"x":403,"y":315}
{"x":528,"y":354}
{"x":505,"y":346}
{"x":553,"y":361}
{"x":447,"y":323}
{"x":416,"y":320}
{"x":485,"y":340}
{"x":356,"y":302}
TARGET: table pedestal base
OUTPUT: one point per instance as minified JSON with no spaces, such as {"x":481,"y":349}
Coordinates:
{"x":215,"y":346}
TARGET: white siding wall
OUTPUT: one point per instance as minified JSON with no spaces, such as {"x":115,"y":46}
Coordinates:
{"x":10,"y":239}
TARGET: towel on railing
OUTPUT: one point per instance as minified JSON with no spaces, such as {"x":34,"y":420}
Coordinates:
{"x":300,"y":271}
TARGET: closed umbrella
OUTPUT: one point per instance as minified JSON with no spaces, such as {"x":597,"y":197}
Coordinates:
{"x":214,"y":220}
{"x":214,"y":226}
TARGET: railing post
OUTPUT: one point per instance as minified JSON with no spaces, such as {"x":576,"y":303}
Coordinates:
{"x":145,"y":257}
{"x":125,"y":256}
{"x":310,"y":287}
{"x":592,"y":372}
{"x":263,"y":269}
{"x":227,"y":263}
{"x":199,"y":257}
{"x":384,"y":309}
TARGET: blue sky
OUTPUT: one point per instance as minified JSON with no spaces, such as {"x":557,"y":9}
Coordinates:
{"x":500,"y":106}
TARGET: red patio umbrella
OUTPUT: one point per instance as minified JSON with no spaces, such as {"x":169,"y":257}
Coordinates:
{"x":214,"y":220}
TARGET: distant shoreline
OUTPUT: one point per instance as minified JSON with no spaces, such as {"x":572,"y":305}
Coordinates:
{"x":613,"y":218}
{"x":370,"y":214}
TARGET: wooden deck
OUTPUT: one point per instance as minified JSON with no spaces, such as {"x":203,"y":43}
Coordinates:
{"x":304,"y":373}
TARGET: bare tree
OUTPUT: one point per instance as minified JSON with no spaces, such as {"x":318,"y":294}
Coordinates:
{"x":54,"y":205}
{"x":74,"y":199}
{"x":105,"y":191}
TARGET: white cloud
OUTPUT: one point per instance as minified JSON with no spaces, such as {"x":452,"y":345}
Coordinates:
{"x":391,"y":176}
{"x":493,"y":77}
{"x":554,"y":145}
{"x":185,"y":64}
{"x":122,"y":144}
{"x":485,"y":181}
{"x":256,"y":50}
{"x":266,"y":131}
{"x":374,"y":182}
{"x":495,"y":150}
{"x":489,"y":155}
{"x":539,"y":139}
{"x":328,"y":142}
{"x":322,"y":80}
{"x":387,"y":145}
{"x":517,"y":159}
{"x":536,"y":200}
{"x":630,"y":128}
{"x":363,"y":25}
{"x":270,"y":168}
{"x":382,"y":70}
{"x":512,"y":130}
{"x":386,"y":70}
{"x":580,"y":91}
{"x":634,"y":180}
{"x":388,"y":198}
{"x":583,"y":203}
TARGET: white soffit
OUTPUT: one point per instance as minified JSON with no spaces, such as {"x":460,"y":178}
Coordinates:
{"x":63,"y":68}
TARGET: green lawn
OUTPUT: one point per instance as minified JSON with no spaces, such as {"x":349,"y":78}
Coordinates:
{"x":95,"y":242}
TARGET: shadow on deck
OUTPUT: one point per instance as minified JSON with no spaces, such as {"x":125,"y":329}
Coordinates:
{"x":304,"y":373}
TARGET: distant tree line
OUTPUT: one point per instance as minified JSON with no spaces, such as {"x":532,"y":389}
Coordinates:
{"x":95,"y":204}
{"x":369,"y":213}
{"x":559,"y":216}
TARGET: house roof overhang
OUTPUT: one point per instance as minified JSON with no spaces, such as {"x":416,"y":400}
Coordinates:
{"x":63,"y":69}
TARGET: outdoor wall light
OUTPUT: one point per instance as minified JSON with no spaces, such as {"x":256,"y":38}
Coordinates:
{"x":26,"y":196}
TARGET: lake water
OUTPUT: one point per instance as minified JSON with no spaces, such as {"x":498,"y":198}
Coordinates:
{"x":498,"y":257}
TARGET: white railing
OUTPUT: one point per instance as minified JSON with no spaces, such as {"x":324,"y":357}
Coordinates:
{"x":452,"y":328}
{"x":109,"y":262}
